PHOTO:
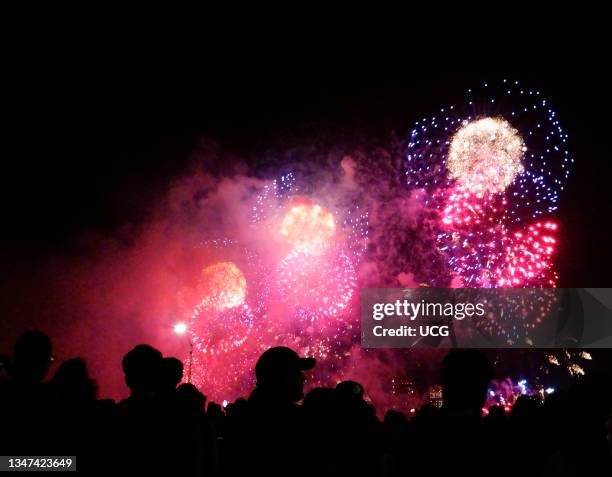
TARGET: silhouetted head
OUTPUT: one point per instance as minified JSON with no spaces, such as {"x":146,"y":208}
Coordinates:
{"x":214,"y":411}
{"x":394,"y":418}
{"x":171,"y":374}
{"x":72,"y":384}
{"x":427,"y":411}
{"x":279,"y":372}
{"x":526,"y":408}
{"x":32,"y":357}
{"x":350,"y":389}
{"x":141,"y":367}
{"x":466,"y":375}
{"x":237,"y":409}
{"x":190,"y":398}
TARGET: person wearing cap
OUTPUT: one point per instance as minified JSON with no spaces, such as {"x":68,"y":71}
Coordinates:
{"x":268,"y":437}
{"x":280,"y":376}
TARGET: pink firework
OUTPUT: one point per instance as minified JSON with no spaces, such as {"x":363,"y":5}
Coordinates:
{"x":215,"y":331}
{"x":527,"y":258}
{"x":230,"y":290}
{"x":318,"y":288}
{"x":483,"y":252}
{"x":493,"y":166}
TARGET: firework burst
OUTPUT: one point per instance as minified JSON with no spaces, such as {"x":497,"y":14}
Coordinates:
{"x":525,"y":129}
{"x":485,"y":155}
{"x":317,"y":287}
{"x":231,"y":293}
{"x":308,"y":227}
{"x":493,"y":167}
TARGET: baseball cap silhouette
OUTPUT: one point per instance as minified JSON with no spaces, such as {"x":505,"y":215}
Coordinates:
{"x":279,"y":361}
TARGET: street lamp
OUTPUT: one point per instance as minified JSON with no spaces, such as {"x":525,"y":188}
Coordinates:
{"x":181,"y":329}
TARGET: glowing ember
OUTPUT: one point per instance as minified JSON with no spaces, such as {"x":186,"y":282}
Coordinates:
{"x":223,"y":285}
{"x":485,"y":155}
{"x":308,"y":226}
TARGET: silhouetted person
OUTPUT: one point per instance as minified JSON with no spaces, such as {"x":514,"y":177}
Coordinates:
{"x":237,"y":409}
{"x":197,"y":437}
{"x":427,"y":413}
{"x":162,"y":429}
{"x":395,"y":427}
{"x":158,"y":434}
{"x":24,"y":401}
{"x":216,"y":418}
{"x":269,"y":439}
{"x":81,"y":424}
{"x":32,"y":358}
{"x":190,"y":400}
{"x":71,"y":385}
{"x":497,"y":418}
{"x":454,"y":440}
{"x":585,"y":447}
{"x":395,"y":435}
{"x":466,"y":375}
{"x":141,"y":430}
{"x":142,"y":371}
{"x":362,"y":429}
{"x":524,"y":432}
{"x":351,"y":395}
{"x":171,"y":374}
{"x":280,"y":378}
{"x":324,"y":431}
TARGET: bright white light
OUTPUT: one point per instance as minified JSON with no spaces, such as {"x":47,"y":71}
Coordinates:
{"x":180,"y":328}
{"x":486,"y":155}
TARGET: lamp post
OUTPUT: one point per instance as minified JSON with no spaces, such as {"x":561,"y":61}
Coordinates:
{"x":181,"y":329}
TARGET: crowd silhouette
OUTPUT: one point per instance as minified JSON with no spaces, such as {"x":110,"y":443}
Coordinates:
{"x":167,"y":428}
